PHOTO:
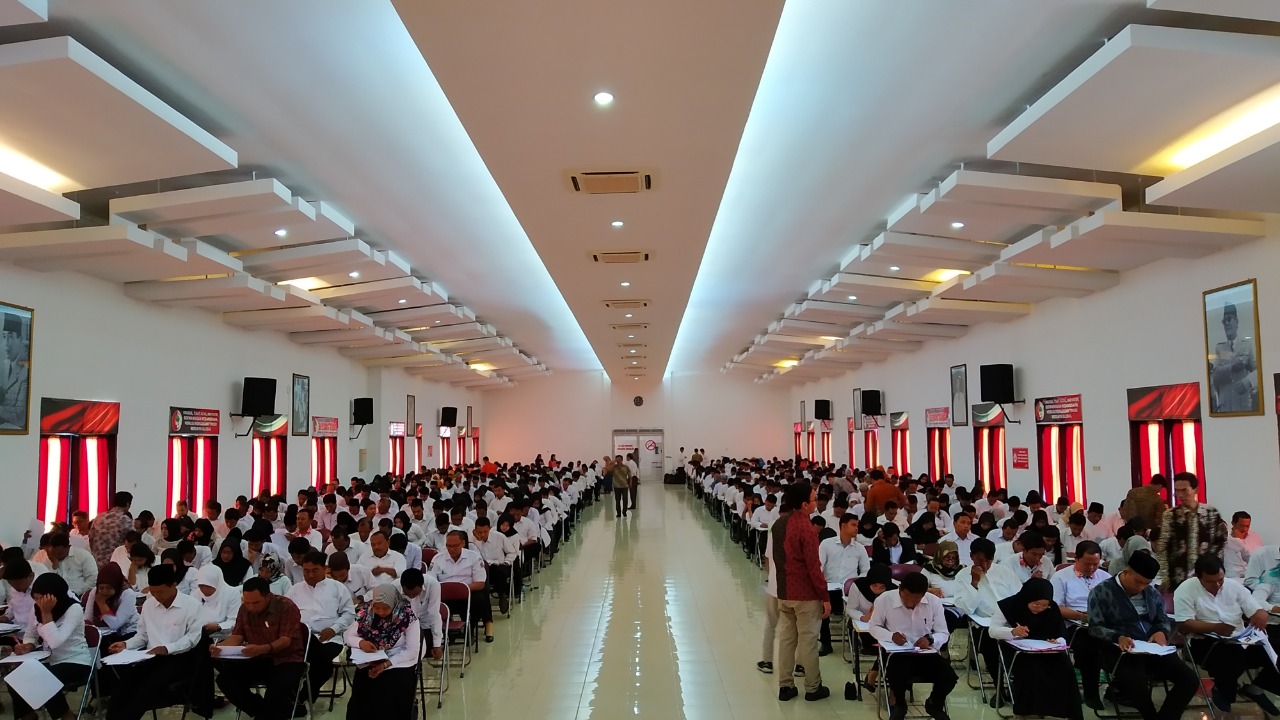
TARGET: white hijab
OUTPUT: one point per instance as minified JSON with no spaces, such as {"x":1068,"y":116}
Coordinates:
{"x":224,"y":604}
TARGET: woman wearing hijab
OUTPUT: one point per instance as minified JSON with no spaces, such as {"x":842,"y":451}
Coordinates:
{"x":924,"y":531}
{"x":182,"y":573}
{"x":202,"y":539}
{"x":231,"y":562}
{"x":58,"y":622}
{"x":171,"y":534}
{"x":986,"y":525}
{"x":387,"y":624}
{"x":1044,"y":683}
{"x":272,"y":570}
{"x":1134,"y":544}
{"x":135,"y":570}
{"x":862,"y":595}
{"x":219,"y":601}
{"x":415,"y":533}
{"x":943,"y":570}
{"x":112,"y":604}
{"x":868,"y":528}
{"x":1052,"y":537}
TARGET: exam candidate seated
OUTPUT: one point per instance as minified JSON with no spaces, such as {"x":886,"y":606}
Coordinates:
{"x":914,"y":618}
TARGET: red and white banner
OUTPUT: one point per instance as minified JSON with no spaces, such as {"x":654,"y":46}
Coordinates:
{"x":1059,"y":409}
{"x":193,"y":421}
{"x":939,"y":417}
{"x":324,"y":427}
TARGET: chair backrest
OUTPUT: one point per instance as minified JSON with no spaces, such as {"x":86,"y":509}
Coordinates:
{"x":1168,"y":601}
{"x":1063,"y":566}
{"x":92,"y":635}
{"x":428,"y":554}
{"x":927,"y":549}
{"x":849,"y":584}
{"x":454,"y":591}
{"x":901,"y":570}
{"x":868,"y":549}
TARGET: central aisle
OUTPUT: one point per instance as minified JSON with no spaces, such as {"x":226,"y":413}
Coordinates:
{"x":656,"y":616}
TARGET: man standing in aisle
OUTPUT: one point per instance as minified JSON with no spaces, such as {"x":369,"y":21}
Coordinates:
{"x":802,"y":593}
{"x":620,"y":475}
{"x":1187,"y":531}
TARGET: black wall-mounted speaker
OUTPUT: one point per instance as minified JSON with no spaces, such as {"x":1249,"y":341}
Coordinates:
{"x":362,"y":411}
{"x":258,"y":397}
{"x":997,"y":384}
{"x":448,"y":417}
{"x":872,"y":402}
{"x":822,"y":410}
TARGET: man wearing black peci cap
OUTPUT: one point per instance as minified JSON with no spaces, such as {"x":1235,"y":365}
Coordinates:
{"x":1127,"y":609}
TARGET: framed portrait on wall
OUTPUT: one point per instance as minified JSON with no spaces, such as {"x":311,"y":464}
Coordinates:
{"x":1231,"y":341}
{"x":959,"y":395}
{"x":857,"y":408}
{"x":301,"y":418}
{"x":16,"y":326}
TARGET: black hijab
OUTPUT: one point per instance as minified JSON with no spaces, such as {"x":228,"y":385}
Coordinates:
{"x":1045,"y":625}
{"x":878,"y":573}
{"x":235,"y":570}
{"x":867,"y":526}
{"x":925,"y":530}
{"x":50,"y":584}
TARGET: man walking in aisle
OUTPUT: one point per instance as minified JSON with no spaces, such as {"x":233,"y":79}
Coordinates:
{"x":621,"y":476}
{"x":802,"y":593}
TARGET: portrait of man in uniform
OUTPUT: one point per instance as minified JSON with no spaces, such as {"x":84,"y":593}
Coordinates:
{"x":1231,"y":338}
{"x":15,"y":369}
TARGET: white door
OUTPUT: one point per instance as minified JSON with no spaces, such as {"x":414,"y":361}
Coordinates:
{"x":651,"y":459}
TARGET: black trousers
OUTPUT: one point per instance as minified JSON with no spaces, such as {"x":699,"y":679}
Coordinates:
{"x":391,"y":694}
{"x":905,"y":668}
{"x":70,"y":674}
{"x":837,"y":612}
{"x":167,"y":680}
{"x":235,"y":678}
{"x":481,"y":608}
{"x":635,"y":486}
{"x":1226,"y":662}
{"x":500,"y":579}
{"x":1136,"y":672}
{"x":1085,"y":649}
{"x":320,"y":661}
{"x":620,"y":498}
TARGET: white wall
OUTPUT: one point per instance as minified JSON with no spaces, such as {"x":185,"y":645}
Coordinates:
{"x":1146,"y":331}
{"x":574,"y":414}
{"x":93,"y":343}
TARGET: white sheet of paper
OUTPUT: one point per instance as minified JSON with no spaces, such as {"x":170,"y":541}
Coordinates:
{"x":1038,"y":645}
{"x":231,"y":652}
{"x":981,"y":621}
{"x":9,"y":628}
{"x":126,"y":657}
{"x":861,"y":626}
{"x":1142,"y":647}
{"x":33,"y":655}
{"x":891,"y":647}
{"x":34,"y":683}
{"x":360,"y":657}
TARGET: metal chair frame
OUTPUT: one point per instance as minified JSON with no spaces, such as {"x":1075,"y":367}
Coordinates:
{"x":465,"y":625}
{"x":883,"y":708}
{"x":304,"y":683}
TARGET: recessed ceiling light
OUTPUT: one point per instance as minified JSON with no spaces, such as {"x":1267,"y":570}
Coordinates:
{"x":437,"y":322}
{"x":281,"y":232}
{"x":894,"y":268}
{"x":633,"y":352}
{"x":635,"y":362}
{"x":853,"y":297}
{"x":625,"y":284}
{"x":616,"y":223}
{"x":627,"y":315}
{"x":403,"y":301}
{"x":604,"y":99}
{"x":353,"y":274}
{"x":957,"y":225}
{"x":631,"y":337}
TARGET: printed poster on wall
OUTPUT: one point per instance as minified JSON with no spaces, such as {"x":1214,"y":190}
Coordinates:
{"x":1021,"y":458}
{"x":1058,"y":409}
{"x":324,"y":426}
{"x":939,"y":417}
{"x":193,"y":421}
{"x":395,"y":428}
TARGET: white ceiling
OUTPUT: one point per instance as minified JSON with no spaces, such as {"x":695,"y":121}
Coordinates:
{"x":780,"y":138}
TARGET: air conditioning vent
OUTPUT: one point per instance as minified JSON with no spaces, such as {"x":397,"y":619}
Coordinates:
{"x":630,"y":327}
{"x":626,"y":304}
{"x":610,"y":182}
{"x":628,"y":346}
{"x":613,"y":258}
{"x":634,"y":357}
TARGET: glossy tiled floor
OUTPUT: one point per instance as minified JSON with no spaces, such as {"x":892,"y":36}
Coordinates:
{"x":653,"y":616}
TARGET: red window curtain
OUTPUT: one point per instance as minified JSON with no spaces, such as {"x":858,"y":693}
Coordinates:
{"x":95,"y":481}
{"x":902,"y":451}
{"x":939,"y":451}
{"x":1050,"y":461}
{"x":324,"y":461}
{"x":193,"y":471}
{"x":1062,"y":462}
{"x":1186,"y":445}
{"x":462,"y":451}
{"x":268,"y":469}
{"x":395,"y":455}
{"x":55,"y":469}
{"x":852,"y":457}
{"x":826,"y":448}
{"x":799,"y":446}
{"x":809,"y":440}
{"x":179,"y":464}
{"x":475,"y":449}
{"x":445,"y":459}
{"x":988,"y":456}
{"x":1150,"y":451}
{"x":872,"y":442}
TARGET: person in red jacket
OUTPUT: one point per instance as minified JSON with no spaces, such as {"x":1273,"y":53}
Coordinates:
{"x":803,"y":600}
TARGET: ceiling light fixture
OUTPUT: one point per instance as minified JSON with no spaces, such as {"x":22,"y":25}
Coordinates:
{"x":632,"y":337}
{"x":957,"y":225}
{"x":1237,"y":124}
{"x":403,"y":301}
{"x":437,"y":322}
{"x":633,"y":352}
{"x":604,"y":99}
{"x":625,"y":284}
{"x":627,"y":315}
{"x":894,"y":268}
{"x":635,"y":362}
{"x":353,"y":274}
{"x":853,"y":297}
{"x":281,"y":232}
{"x":616,"y":223}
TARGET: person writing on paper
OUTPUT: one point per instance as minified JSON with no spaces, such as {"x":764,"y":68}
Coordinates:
{"x":327,"y":610}
{"x":1033,"y":561}
{"x":1212,"y":604}
{"x":862,"y":597}
{"x":1071,"y":590}
{"x":1241,"y":543}
{"x":356,"y":578}
{"x":1043,"y":683}
{"x":271,"y":640}
{"x":912,"y":617}
{"x":946,"y":574}
{"x":112,"y":604}
{"x":168,"y":630}
{"x":388,"y":626}
{"x":59,"y":624}
{"x":423,"y":592}
{"x":1127,"y":609}
{"x":18,"y":575}
{"x":842,"y":558}
{"x":460,"y":564}
{"x":385,"y":564}
{"x":73,"y":564}
{"x":1262,"y":576}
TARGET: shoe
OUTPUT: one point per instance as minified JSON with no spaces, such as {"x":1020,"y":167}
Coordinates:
{"x":822,"y":693}
{"x":868,"y":685}
{"x":799,"y":671}
{"x":898,"y":712}
{"x":488,"y":638}
{"x":787,"y":693}
{"x":1092,"y":701}
{"x":1218,"y":701}
{"x":825,"y":650}
{"x":504,"y":605}
{"x":1259,"y":696}
{"x":936,"y":709}
{"x":765,"y":667}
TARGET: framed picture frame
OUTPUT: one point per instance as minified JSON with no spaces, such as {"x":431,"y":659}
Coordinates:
{"x":857,"y":408}
{"x":1233,"y":347}
{"x":300,"y":418}
{"x":959,"y":379}
{"x":17,"y":327}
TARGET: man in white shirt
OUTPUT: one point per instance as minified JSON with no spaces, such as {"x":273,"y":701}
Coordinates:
{"x":991,"y":503}
{"x":1241,"y":543}
{"x":911,"y":617}
{"x":74,"y":565}
{"x":423,"y":592}
{"x":169,"y":628}
{"x":1214,"y":604}
{"x":961,"y":534}
{"x":842,"y":558}
{"x":327,"y":610}
{"x":327,"y":515}
{"x":354,"y":577}
{"x":979,"y":594}
{"x":80,"y":530}
{"x":1075,"y":534}
{"x":499,"y":553}
{"x":1071,"y":588}
{"x":305,"y":531}
{"x":894,"y":514}
{"x":941,"y":520}
{"x":763,"y":516}
{"x":1033,"y":561}
{"x":18,"y":576}
{"x":384,"y":563}
{"x":460,"y":565}
{"x":342,"y":543}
